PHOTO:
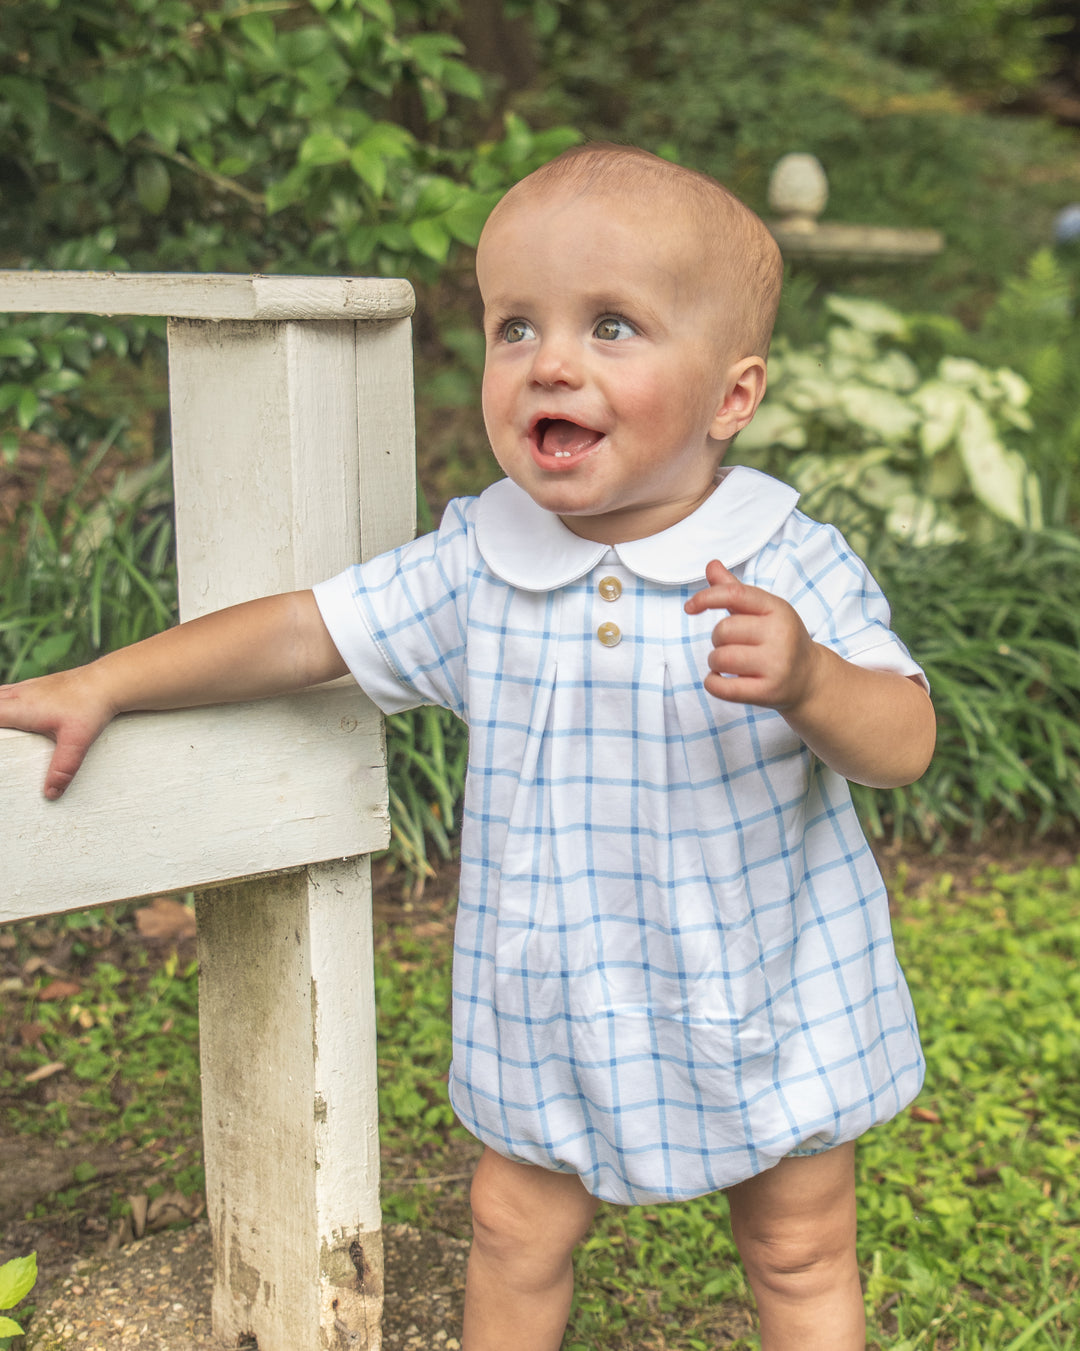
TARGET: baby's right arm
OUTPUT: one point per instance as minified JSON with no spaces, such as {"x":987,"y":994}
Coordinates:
{"x":264,"y":647}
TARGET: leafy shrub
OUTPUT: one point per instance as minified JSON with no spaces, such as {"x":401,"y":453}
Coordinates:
{"x":1032,"y":325}
{"x":996,"y":626}
{"x":341,"y":136}
{"x":881,"y":448}
{"x":994,"y":47}
{"x":240,"y":137}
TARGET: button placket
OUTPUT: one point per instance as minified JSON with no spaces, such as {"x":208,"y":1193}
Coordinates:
{"x":609,"y":588}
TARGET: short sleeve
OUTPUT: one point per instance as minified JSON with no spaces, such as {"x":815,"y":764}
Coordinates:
{"x":839,"y":601}
{"x":398,"y":620}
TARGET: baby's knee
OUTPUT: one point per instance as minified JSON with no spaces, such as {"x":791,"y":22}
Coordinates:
{"x":791,"y":1259}
{"x":498,"y":1219}
{"x":795,"y":1224}
{"x":523,"y":1214}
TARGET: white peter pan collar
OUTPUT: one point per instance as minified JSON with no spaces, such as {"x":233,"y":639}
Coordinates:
{"x":531,"y":548}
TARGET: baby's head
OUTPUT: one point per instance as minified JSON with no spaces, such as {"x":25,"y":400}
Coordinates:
{"x":727,"y":247}
{"x":629,"y":304}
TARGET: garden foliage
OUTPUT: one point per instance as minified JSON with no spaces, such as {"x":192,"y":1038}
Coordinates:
{"x":900,"y":101}
{"x":355,"y":135}
{"x":340,"y":136}
{"x":881,"y":447}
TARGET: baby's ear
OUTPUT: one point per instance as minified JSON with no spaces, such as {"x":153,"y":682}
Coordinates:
{"x":743,"y":391}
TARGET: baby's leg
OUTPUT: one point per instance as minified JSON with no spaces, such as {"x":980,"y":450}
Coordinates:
{"x":795,"y":1227}
{"x":526,"y":1224}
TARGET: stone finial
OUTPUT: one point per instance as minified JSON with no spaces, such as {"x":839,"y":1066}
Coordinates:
{"x":1067,"y":224}
{"x":798,"y":191}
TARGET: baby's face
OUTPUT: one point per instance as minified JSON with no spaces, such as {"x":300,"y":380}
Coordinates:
{"x":610,"y":366}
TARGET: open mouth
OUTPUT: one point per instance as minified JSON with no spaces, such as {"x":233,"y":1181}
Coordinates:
{"x":563,"y":440}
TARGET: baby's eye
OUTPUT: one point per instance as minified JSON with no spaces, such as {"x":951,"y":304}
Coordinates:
{"x":517,"y":330}
{"x":612,"y":329}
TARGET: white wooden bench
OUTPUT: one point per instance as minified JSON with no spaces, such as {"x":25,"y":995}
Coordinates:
{"x":292,"y":421}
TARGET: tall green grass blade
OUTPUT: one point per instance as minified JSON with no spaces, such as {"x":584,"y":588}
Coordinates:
{"x":1040,"y":1322}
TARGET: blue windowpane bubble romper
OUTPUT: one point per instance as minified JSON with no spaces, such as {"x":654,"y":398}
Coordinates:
{"x":673,"y":963}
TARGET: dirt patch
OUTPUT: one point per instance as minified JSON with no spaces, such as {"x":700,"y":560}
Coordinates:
{"x":914,"y":867}
{"x":155,"y":1295}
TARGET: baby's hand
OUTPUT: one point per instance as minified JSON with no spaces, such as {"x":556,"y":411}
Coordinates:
{"x":762,"y":653}
{"x":69,"y":707}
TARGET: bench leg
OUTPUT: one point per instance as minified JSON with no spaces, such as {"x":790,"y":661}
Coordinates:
{"x":290,"y":1120}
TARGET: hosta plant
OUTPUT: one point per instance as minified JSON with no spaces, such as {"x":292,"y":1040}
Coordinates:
{"x":876,"y":445}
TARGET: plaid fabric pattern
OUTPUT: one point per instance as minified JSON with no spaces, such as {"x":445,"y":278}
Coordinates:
{"x":673,"y":959}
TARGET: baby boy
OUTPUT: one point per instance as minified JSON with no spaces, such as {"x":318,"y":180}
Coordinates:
{"x":673,"y":966}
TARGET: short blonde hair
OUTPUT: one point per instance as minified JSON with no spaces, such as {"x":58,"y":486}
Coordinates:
{"x":733,"y":238}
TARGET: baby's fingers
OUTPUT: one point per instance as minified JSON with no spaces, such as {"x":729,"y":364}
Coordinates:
{"x":20,"y":711}
{"x":54,"y":706}
{"x":726,"y":592}
{"x":66,"y":759}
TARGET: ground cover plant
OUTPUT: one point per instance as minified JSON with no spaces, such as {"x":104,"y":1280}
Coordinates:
{"x":17,"y":1279}
{"x":100,"y":1042}
{"x":970,"y":1222}
{"x":996,"y":625}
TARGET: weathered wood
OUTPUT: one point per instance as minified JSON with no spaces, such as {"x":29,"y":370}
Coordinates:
{"x":387,"y":445}
{"x":206,"y":295}
{"x":267,"y":476}
{"x":168,"y":801}
{"x":293,"y":457}
{"x":286,"y":965}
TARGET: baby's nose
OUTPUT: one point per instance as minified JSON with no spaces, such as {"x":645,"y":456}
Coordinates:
{"x":557,"y":362}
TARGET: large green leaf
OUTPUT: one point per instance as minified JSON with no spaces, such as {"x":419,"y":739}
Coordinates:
{"x":999,"y":477}
{"x":868,"y":316}
{"x":774,"y":424}
{"x":880,"y":412}
{"x":152,"y":184}
{"x":17,"y":1279}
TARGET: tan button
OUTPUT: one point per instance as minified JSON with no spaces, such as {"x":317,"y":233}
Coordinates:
{"x":609,"y":635}
{"x":610,"y":588}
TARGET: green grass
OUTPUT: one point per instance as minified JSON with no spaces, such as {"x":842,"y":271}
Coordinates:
{"x":129,"y":1044}
{"x":970,"y":1218}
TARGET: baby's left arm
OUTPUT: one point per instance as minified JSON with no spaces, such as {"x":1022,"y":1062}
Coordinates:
{"x":873,"y":727}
